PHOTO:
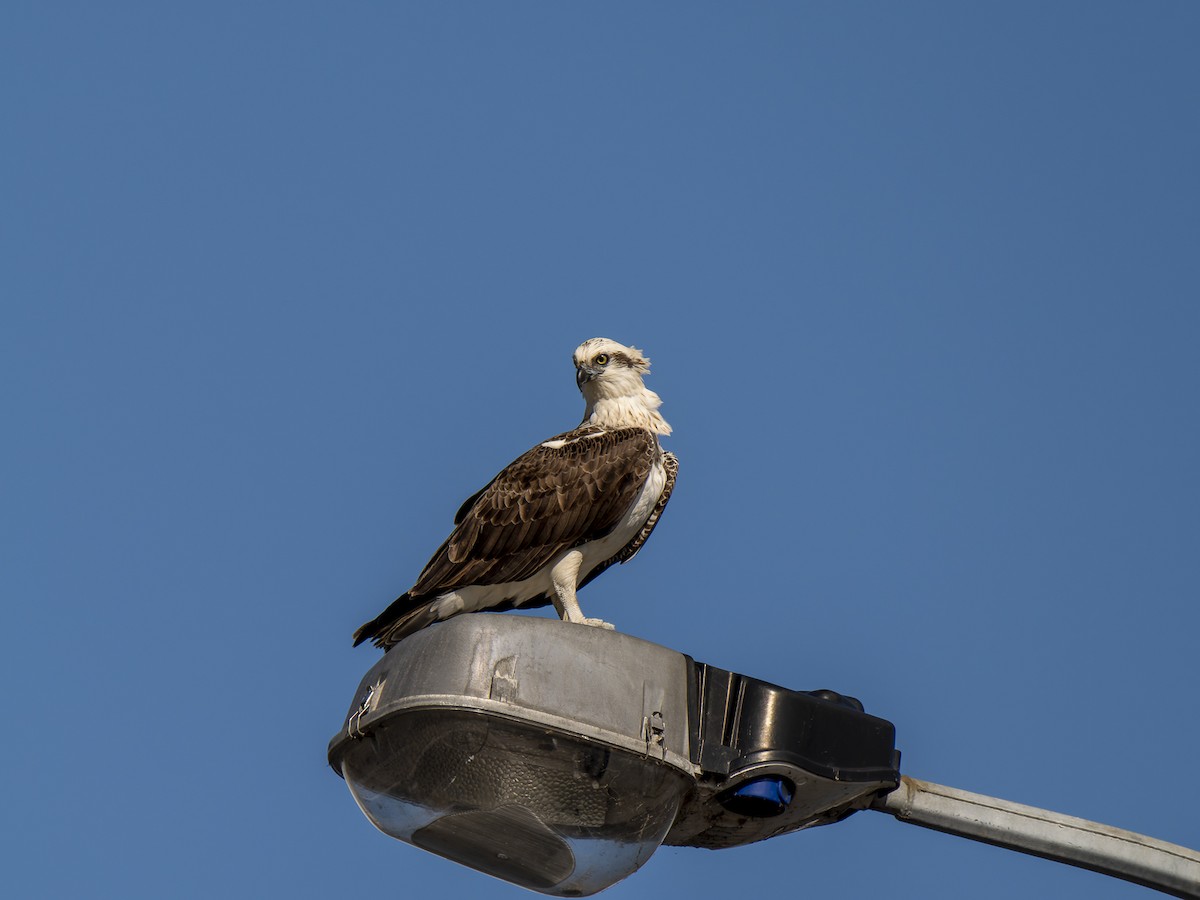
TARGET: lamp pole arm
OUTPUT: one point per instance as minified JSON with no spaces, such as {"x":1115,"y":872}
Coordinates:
{"x":1111,"y":851}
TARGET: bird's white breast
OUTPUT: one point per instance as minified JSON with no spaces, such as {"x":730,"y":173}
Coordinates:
{"x":631,"y":523}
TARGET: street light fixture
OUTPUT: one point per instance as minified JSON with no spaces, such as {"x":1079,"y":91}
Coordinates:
{"x":559,"y":757}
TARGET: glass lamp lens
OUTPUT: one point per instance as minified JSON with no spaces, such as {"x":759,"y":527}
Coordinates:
{"x":551,"y":812}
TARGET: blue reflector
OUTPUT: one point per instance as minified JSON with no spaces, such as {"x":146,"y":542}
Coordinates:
{"x":768,"y":795}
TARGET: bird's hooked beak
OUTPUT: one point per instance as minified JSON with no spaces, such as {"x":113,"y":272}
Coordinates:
{"x":585,"y":373}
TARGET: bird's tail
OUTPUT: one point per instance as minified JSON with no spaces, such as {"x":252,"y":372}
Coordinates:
{"x":406,"y":615}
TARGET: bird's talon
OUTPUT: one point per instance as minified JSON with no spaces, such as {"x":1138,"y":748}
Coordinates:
{"x":600,"y":623}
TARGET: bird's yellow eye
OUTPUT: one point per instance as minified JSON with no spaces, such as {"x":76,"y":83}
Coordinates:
{"x":601,"y":359}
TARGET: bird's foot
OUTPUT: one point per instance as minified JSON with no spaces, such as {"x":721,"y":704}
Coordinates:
{"x":600,"y":623}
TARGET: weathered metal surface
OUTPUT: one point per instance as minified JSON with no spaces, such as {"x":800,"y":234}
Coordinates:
{"x":602,"y":685}
{"x":1122,"y":854}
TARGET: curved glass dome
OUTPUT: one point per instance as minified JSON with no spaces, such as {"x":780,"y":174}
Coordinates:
{"x":550,"y":812}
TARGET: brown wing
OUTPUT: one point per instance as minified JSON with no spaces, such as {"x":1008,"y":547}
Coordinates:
{"x":548,"y":500}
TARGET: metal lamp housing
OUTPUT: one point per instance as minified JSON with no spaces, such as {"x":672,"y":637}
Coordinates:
{"x":550,"y":755}
{"x":559,"y":757}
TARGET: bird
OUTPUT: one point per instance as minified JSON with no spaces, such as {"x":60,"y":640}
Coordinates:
{"x":558,"y":515}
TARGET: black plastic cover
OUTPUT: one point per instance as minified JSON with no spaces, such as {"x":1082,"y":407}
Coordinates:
{"x":741,"y":721}
{"x":774,"y":760}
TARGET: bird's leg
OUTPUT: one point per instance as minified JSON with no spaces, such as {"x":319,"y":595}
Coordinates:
{"x":565,"y":576}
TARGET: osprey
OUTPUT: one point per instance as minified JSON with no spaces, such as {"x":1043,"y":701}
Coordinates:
{"x":557,"y":516}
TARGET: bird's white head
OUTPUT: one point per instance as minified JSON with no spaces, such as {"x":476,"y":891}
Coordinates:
{"x":610,"y":377}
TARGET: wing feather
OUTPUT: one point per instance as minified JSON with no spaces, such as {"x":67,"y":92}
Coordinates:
{"x":548,"y":500}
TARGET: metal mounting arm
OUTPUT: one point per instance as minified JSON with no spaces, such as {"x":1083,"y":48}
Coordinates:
{"x":1111,"y":851}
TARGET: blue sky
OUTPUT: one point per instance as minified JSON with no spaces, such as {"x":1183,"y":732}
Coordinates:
{"x":284,"y":283}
